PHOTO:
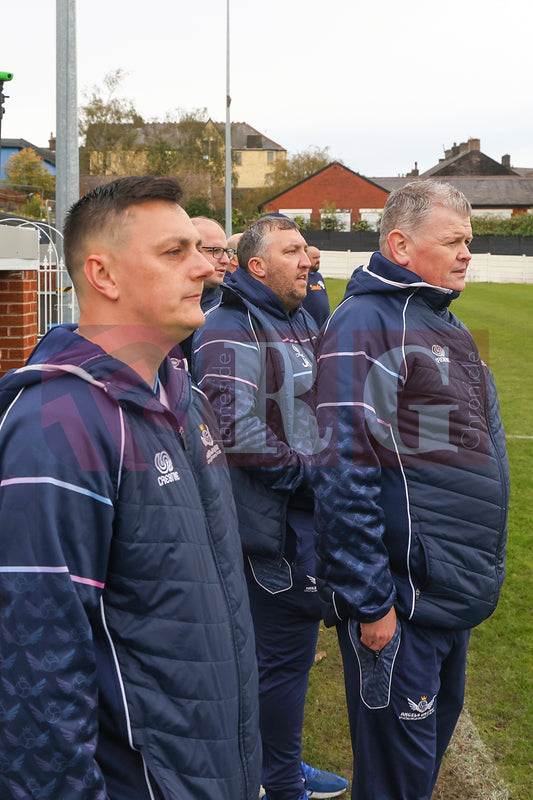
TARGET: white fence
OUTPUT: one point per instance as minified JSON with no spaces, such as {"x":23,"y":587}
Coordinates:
{"x":55,"y":295}
{"x":56,"y":300}
{"x":483,"y":267}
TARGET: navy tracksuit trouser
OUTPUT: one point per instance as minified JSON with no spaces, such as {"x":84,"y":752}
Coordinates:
{"x":286,"y":630}
{"x":403,"y":706}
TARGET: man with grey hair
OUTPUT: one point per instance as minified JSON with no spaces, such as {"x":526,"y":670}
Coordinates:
{"x":412,"y":495}
{"x":255,"y":360}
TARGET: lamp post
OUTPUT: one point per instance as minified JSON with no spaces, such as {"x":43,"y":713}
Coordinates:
{"x":67,"y":155}
{"x":4,"y":76}
{"x":228,"y":133}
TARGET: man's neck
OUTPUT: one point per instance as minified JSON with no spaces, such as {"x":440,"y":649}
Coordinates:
{"x":139,"y":347}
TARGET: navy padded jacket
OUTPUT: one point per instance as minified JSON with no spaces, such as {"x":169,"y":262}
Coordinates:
{"x":127,"y":651}
{"x":412,"y":496}
{"x":256,"y":363}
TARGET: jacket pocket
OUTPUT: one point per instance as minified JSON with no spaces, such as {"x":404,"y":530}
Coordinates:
{"x":375,"y":669}
{"x":272,"y":575}
{"x":418,"y":557}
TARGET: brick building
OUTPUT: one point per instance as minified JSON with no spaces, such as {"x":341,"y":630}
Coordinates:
{"x":334,"y":189}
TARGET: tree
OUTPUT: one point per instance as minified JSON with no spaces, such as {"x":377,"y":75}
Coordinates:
{"x":304,"y":223}
{"x":162,"y":160}
{"x":190,"y":148}
{"x":110,"y":126}
{"x":330,"y":220}
{"x":362,"y":225}
{"x":517,"y":225}
{"x":184,"y":145}
{"x":296,"y":168}
{"x":25,"y":172}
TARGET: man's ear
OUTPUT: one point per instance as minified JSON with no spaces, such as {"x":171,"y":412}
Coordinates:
{"x":100,"y":276}
{"x":256,"y":267}
{"x":398,"y":243}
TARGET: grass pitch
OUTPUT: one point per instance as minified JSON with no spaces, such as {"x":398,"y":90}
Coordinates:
{"x":491,"y":756}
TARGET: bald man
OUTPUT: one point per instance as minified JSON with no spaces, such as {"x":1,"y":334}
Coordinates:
{"x":233,"y":243}
{"x":215,"y":250}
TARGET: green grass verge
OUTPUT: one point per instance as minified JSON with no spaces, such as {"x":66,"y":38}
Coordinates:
{"x":500,"y":666}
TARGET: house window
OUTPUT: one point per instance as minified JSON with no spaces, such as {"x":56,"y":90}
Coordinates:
{"x":372,"y":216}
{"x":298,"y":214}
{"x":254,"y":141}
{"x":209,"y":149}
{"x":238,"y":157}
{"x":335,"y":219}
{"x":270,"y":157}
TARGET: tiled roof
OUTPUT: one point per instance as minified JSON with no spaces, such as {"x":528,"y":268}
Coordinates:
{"x":471,"y":163}
{"x":21,"y":144}
{"x":243,"y":136}
{"x":494,"y":191}
{"x":240,"y":131}
{"x":332,"y":164}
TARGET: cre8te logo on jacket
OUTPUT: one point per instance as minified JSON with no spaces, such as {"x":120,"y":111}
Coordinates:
{"x":164,"y":465}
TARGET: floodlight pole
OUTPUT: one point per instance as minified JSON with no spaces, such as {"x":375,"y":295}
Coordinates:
{"x":228,"y":133}
{"x":67,"y":151}
{"x":4,"y":76}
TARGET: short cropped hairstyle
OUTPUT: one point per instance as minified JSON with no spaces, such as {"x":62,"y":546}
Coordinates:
{"x":99,"y":209}
{"x":408,"y":208}
{"x":254,"y":241}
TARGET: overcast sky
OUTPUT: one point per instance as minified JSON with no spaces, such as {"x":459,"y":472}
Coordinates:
{"x":382,"y":84}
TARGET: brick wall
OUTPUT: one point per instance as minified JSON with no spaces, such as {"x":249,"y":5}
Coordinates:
{"x":18,"y":318}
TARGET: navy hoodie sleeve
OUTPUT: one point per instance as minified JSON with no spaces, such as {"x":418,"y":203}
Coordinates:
{"x":58,"y":475}
{"x":357,"y":392}
{"x":229,"y":365}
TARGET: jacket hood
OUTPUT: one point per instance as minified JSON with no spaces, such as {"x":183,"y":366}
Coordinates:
{"x":242,"y":285}
{"x":384,"y":276}
{"x":64,"y":352}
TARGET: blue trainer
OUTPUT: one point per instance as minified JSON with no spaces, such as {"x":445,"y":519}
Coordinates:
{"x":321,"y":784}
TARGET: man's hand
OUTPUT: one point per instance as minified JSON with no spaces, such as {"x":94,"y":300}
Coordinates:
{"x":375,"y":635}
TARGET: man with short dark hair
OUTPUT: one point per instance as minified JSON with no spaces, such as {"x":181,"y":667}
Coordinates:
{"x":412,"y":494}
{"x":127,"y":660}
{"x":316,"y":300}
{"x":255,"y":360}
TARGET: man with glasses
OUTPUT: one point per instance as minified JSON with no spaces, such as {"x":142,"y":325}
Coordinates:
{"x":214,"y":249}
{"x":255,"y":360}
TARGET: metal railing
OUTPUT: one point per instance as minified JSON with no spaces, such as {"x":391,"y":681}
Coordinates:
{"x":56,"y":298}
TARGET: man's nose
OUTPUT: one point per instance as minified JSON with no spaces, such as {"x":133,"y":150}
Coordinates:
{"x":204,"y":267}
{"x":464,"y":254}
